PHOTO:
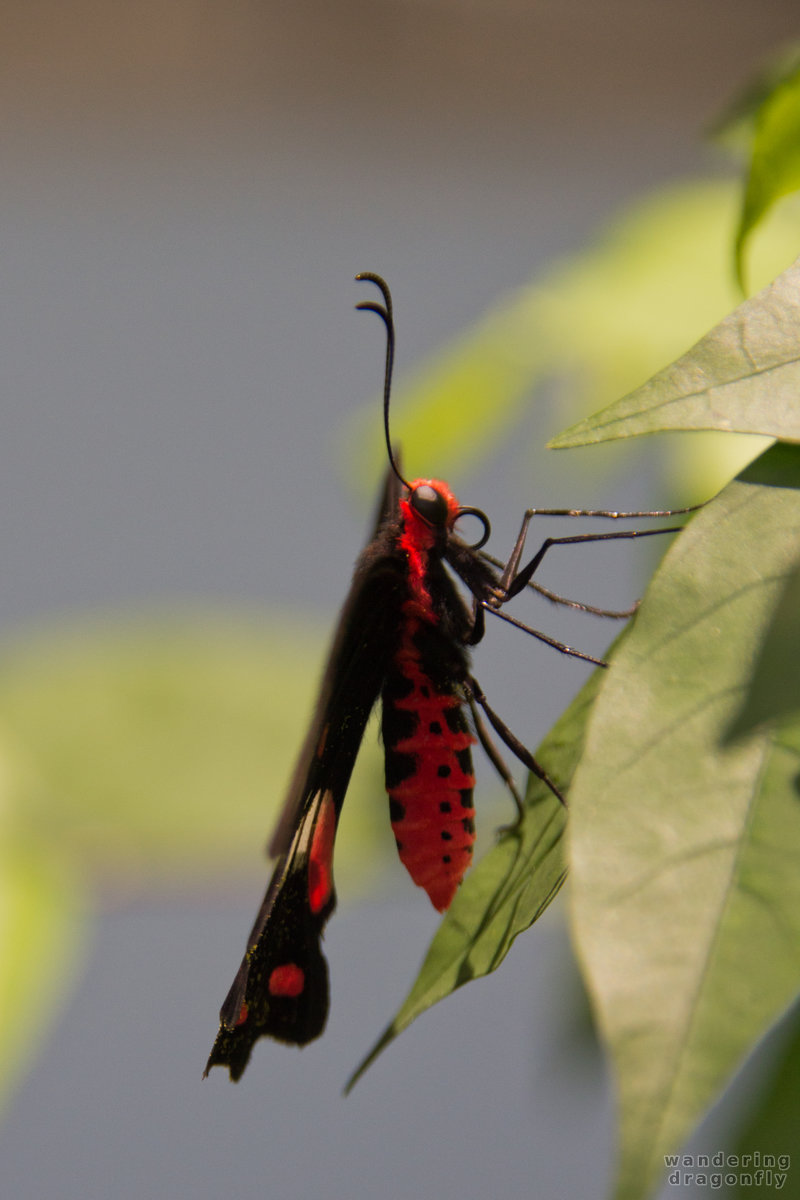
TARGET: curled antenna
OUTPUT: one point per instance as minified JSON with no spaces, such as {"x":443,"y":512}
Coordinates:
{"x":384,"y":311}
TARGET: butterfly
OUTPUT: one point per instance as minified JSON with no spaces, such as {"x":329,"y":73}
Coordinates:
{"x":403,"y":637}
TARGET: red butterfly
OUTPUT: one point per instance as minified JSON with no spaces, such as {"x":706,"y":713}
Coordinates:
{"x":404,"y":634}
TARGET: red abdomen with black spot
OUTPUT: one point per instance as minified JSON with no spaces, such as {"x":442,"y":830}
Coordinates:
{"x":428,"y":773}
{"x":426,"y":738}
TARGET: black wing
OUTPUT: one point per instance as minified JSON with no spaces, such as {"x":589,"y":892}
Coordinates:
{"x":367,"y":624}
{"x":281,"y":988}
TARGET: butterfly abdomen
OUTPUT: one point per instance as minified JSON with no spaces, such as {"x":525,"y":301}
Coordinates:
{"x":428,"y":766}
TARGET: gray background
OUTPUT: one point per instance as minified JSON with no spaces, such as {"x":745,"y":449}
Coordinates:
{"x":188,"y":189}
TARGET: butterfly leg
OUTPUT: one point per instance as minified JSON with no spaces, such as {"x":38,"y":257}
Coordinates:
{"x":493,"y":754}
{"x":513,"y":580}
{"x":477,"y":696}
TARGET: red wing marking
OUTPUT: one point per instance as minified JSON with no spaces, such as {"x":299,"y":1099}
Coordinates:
{"x":286,"y":980}
{"x":320,"y":856}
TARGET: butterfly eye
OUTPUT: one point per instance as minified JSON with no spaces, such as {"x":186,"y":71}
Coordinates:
{"x":430,"y":505}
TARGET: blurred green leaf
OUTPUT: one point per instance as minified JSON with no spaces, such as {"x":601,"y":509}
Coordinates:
{"x":686,"y":893}
{"x":774,"y":159}
{"x":134,"y":753}
{"x":735,"y":127}
{"x":774,"y":691}
{"x":41,"y":948}
{"x":601,"y":320}
{"x":508,"y":889}
{"x":162,"y":746}
{"x":742,"y":377}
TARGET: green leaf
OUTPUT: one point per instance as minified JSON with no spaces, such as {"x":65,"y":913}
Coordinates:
{"x":598,"y":321}
{"x":775,"y":158}
{"x":774,"y":692}
{"x":742,"y":377}
{"x":459,"y":402}
{"x":603,"y":319}
{"x":684,"y":851}
{"x":42,"y":919}
{"x":509,"y":888}
{"x":134,"y":753}
{"x":41,"y":949}
{"x":736,"y":124}
{"x":163,"y":745}
{"x":773,"y":1127}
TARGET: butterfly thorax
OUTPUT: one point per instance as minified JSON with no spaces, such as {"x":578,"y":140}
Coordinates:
{"x":420,"y":538}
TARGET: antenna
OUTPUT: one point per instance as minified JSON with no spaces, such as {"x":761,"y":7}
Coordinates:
{"x":384,"y":311}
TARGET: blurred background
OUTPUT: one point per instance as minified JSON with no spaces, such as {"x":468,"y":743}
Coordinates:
{"x":188,"y":189}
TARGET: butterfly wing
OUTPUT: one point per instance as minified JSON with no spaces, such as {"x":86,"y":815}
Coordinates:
{"x":367,"y":627}
{"x":281,"y":988}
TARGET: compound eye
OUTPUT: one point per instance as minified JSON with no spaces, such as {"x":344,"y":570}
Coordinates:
{"x":430,"y":505}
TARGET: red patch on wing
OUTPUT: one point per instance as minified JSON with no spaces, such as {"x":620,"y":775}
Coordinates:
{"x":287,"y":980}
{"x":320,"y":857}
